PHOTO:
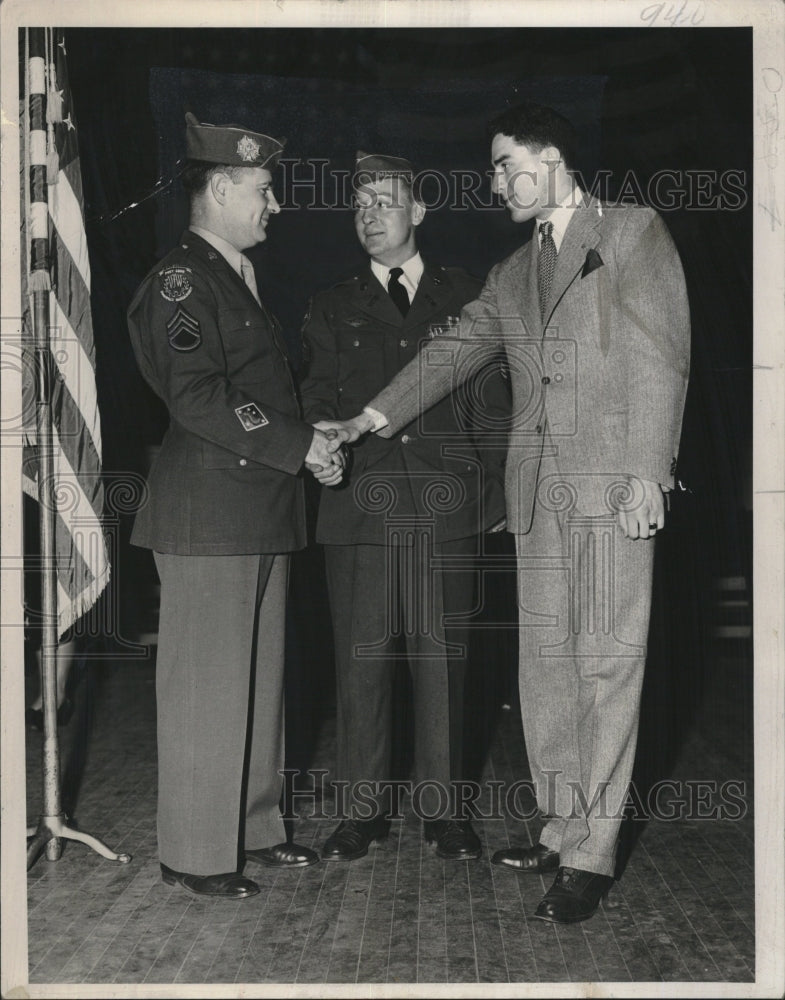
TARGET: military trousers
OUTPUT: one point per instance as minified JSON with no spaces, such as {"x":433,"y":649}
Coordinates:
{"x":388,"y":604}
{"x":219,"y":689}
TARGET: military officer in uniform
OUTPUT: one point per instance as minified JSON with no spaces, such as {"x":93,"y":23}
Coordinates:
{"x":225,"y":507}
{"x":410,"y":505}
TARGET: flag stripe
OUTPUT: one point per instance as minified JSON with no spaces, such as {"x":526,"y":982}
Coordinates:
{"x":78,"y":381}
{"x":38,"y":148}
{"x":58,"y":243}
{"x":67,"y":218}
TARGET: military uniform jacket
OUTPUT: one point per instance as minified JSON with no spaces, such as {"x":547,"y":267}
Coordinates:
{"x":440,"y":469}
{"x":226,"y":480}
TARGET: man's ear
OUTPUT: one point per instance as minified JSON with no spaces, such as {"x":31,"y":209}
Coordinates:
{"x":218,"y":183}
{"x":418,"y":212}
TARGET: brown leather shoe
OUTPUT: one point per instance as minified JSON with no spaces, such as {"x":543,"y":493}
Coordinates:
{"x":352,"y":838}
{"x":455,"y":840}
{"x":534,"y":860}
{"x":284,"y":856}
{"x":231,"y":885}
{"x":574,"y":895}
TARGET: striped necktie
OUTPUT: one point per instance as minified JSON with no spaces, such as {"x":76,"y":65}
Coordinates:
{"x":546,"y":263}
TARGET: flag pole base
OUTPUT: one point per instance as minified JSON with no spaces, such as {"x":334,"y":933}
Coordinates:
{"x":52,"y":829}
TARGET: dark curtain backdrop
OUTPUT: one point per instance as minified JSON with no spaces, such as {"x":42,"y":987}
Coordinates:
{"x":643,"y":100}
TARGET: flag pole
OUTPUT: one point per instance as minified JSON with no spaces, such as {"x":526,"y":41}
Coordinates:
{"x":52,"y":826}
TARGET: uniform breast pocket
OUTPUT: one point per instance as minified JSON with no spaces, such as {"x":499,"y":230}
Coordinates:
{"x":245,"y":333}
{"x":360,"y":356}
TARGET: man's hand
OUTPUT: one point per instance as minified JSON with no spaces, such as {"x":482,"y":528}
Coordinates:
{"x":647,"y":517}
{"x":348,"y":430}
{"x":324,"y":458}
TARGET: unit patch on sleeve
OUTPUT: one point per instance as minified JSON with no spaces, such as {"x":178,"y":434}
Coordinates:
{"x":175,"y":283}
{"x":183,"y":331}
{"x":251,"y":417}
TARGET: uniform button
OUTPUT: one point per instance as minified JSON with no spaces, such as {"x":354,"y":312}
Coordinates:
{"x":405,"y":439}
{"x":557,"y":378}
{"x":243,"y":461}
{"x":356,"y":343}
{"x":546,"y":380}
{"x":404,"y":343}
{"x":247,"y":322}
{"x":340,"y":388}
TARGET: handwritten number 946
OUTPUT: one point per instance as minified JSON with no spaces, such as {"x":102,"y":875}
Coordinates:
{"x":673,"y":14}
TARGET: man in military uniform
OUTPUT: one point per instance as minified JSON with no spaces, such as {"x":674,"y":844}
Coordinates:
{"x":412,"y":505}
{"x":225,"y":507}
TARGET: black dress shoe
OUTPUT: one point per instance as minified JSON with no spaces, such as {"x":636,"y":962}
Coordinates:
{"x":455,"y":840}
{"x":535,"y":860}
{"x":352,"y":838}
{"x":574,"y":895}
{"x":284,"y":856}
{"x":231,"y":885}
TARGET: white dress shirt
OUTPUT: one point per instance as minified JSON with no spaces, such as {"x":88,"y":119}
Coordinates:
{"x":560,"y":216}
{"x":410,"y":279}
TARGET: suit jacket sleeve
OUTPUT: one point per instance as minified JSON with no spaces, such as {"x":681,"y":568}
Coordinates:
{"x":320,"y":386}
{"x":436,"y":372}
{"x":652,"y":299}
{"x":195,"y":385}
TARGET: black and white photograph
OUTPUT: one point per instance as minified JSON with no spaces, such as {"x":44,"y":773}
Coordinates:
{"x":393,"y":522}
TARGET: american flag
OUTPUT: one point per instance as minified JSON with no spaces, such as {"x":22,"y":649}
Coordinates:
{"x":57,"y":262}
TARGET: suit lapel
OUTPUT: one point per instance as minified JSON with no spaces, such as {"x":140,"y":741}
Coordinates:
{"x":582,"y":234}
{"x":529,"y":297}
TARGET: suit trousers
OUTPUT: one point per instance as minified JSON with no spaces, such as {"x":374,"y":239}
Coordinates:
{"x":219,"y":688}
{"x":584,"y":603}
{"x":388,"y":604}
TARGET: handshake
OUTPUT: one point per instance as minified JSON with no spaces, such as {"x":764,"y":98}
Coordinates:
{"x":326,"y":457}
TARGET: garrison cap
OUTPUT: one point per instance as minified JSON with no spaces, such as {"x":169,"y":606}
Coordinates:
{"x":370,"y":167}
{"x":232,"y":145}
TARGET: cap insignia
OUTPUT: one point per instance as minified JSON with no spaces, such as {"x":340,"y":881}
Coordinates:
{"x":248,"y":148}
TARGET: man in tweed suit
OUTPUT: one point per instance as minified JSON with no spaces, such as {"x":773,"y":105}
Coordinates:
{"x":593,"y":315}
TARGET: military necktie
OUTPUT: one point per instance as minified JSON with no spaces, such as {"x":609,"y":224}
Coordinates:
{"x":398,"y":293}
{"x":249,"y":277}
{"x":546,"y":262}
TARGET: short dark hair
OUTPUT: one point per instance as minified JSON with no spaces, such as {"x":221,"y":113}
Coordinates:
{"x":537,"y":126}
{"x":196,"y":174}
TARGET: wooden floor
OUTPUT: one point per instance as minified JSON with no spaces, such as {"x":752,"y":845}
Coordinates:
{"x":683,"y":910}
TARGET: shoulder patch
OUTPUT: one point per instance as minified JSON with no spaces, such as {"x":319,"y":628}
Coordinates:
{"x":251,"y":417}
{"x":176,"y":282}
{"x":183,"y":331}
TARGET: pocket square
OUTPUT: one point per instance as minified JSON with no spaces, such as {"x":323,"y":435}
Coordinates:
{"x":592,"y":262}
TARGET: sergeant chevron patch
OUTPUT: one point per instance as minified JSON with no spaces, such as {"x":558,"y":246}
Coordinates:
{"x":183,"y":331}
